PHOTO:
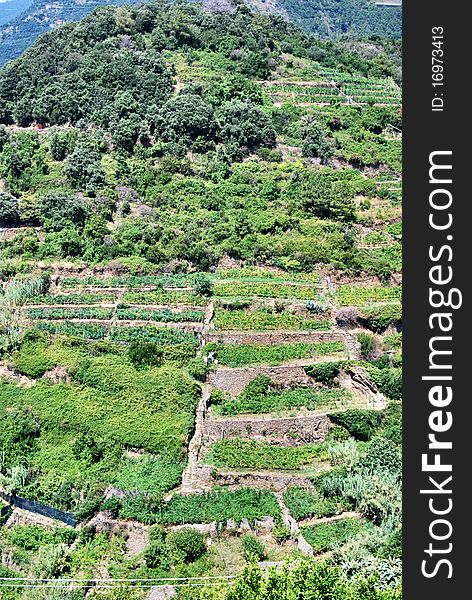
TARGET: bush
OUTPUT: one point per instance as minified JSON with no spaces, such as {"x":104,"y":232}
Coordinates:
{"x":378,"y":317}
{"x":367,"y":343}
{"x":246,"y":125}
{"x":157,"y":554}
{"x":203,"y":285}
{"x":324,"y":373}
{"x":9,"y":213}
{"x":281,"y":533}
{"x":252,"y":547}
{"x":142,"y":353}
{"x":381,"y":455}
{"x":388,"y":381}
{"x":314,"y":141}
{"x":347,"y":317}
{"x":361,"y":424}
{"x":198,"y":369}
{"x":187,"y":544}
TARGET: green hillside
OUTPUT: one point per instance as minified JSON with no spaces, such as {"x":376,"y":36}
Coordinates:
{"x":200,"y":307}
{"x":325,"y":18}
{"x":328,"y":18}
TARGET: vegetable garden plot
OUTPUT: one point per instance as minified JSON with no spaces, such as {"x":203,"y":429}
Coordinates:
{"x":359,"y":296}
{"x":164,"y":297}
{"x":219,"y":506}
{"x":326,"y":536}
{"x":261,"y":402}
{"x":84,"y":312}
{"x":239,"y":355}
{"x":129,"y":281}
{"x":237,"y":453}
{"x":161,"y":315}
{"x":266,"y":290}
{"x":261,"y":320}
{"x":61,"y":299}
{"x":259,"y":273}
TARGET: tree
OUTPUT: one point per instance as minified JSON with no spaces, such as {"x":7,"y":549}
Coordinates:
{"x":58,"y":210}
{"x":247,"y":125}
{"x":83,"y":168}
{"x":314,"y":141}
{"x":184,"y":118}
{"x":9,"y":213}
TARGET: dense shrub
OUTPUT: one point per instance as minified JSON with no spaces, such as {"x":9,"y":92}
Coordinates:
{"x":324,"y":373}
{"x":367,"y":343}
{"x":186,"y":545}
{"x":361,"y":424}
{"x":252,"y":547}
{"x":9,"y":212}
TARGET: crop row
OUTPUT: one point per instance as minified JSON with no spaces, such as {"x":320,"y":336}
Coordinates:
{"x":327,"y":536}
{"x":236,"y":453}
{"x":84,"y":312}
{"x":130,"y":281}
{"x":239,"y":355}
{"x":265,"y":290}
{"x":304,"y":504}
{"x":95,"y":331}
{"x":164,"y":297}
{"x":358,"y":296}
{"x":259,"y":401}
{"x":261,"y":320}
{"x":73,"y":299}
{"x":164,"y":315}
{"x":219,"y":506}
{"x":257,"y":273}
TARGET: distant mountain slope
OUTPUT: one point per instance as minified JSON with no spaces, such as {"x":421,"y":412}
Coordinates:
{"x":328,"y":18}
{"x":9,"y":9}
{"x":38,"y":16}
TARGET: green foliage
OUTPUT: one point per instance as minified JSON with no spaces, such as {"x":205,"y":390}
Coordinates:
{"x":381,"y":455}
{"x":246,"y":354}
{"x":253,"y":548}
{"x":246,"y":125}
{"x":326,"y":536}
{"x":303,"y":578}
{"x":367,"y":343}
{"x":221,"y":505}
{"x":9,"y":213}
{"x":249,"y":454}
{"x":325,"y":372}
{"x":388,"y":381}
{"x":361,"y":424}
{"x":187,"y":544}
{"x":380,"y":316}
{"x":304,"y":504}
{"x":265,"y":289}
{"x":315,"y":143}
{"x":258,"y":398}
{"x":263,"y":320}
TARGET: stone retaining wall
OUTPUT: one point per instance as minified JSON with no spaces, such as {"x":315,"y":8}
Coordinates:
{"x":270,"y":481}
{"x":234,"y":381}
{"x":289,"y":431}
{"x":274,"y":338}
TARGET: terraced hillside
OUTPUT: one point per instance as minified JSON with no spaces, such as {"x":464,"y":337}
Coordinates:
{"x":200,"y":309}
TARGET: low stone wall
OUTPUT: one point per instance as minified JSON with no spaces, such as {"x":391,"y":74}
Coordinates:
{"x":274,"y":338}
{"x":234,"y":381}
{"x":270,"y":481}
{"x":289,"y":431}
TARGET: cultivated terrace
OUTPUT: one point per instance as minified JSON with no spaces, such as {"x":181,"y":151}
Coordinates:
{"x":200,"y":308}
